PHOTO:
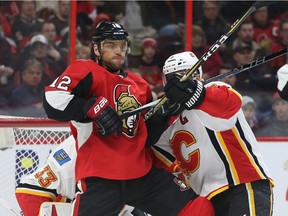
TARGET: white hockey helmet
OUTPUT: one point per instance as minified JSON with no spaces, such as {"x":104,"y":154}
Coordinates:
{"x":179,"y":62}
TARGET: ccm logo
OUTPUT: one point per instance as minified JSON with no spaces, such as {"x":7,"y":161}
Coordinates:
{"x":100,"y":105}
{"x":214,"y":47}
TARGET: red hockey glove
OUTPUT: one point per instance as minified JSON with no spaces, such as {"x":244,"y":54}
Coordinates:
{"x":104,"y":115}
{"x":189,"y":93}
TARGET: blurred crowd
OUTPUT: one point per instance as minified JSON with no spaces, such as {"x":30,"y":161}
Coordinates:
{"x":34,"y":38}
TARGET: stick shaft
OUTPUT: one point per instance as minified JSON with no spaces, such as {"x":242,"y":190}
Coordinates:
{"x":248,"y":66}
{"x":203,"y":58}
{"x":235,"y":71}
{"x":213,"y":49}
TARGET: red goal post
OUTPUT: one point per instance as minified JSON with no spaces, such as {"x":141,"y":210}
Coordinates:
{"x":25,"y":144}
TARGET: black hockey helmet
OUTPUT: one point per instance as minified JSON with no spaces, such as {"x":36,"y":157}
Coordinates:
{"x":111,"y":31}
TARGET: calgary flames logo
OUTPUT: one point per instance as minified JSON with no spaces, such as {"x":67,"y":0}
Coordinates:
{"x":126,"y":102}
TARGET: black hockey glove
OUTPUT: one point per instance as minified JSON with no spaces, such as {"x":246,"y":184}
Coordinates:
{"x":170,"y":108}
{"x":189,"y":93}
{"x":104,"y":115}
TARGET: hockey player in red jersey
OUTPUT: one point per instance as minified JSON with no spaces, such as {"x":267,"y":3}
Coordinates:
{"x":54,"y":183}
{"x":282,"y":86}
{"x":213,"y":144}
{"x":112,"y":165}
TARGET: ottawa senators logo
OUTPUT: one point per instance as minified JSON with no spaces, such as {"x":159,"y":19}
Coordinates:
{"x":126,"y":102}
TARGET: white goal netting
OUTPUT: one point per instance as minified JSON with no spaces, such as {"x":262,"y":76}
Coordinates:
{"x":25,"y":143}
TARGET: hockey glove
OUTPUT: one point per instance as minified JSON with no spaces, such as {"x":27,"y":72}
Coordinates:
{"x":104,"y":115}
{"x":170,"y":108}
{"x":189,"y":93}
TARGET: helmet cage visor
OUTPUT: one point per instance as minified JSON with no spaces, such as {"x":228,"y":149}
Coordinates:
{"x":113,"y":45}
{"x":179,"y":74}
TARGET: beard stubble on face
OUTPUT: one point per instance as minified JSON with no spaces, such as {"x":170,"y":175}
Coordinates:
{"x":113,"y":64}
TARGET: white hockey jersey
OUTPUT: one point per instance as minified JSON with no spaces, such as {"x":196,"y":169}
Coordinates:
{"x":282,"y":85}
{"x":58,"y":174}
{"x":213,"y":144}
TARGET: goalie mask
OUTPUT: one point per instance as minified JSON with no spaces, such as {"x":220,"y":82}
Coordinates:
{"x":180,"y":63}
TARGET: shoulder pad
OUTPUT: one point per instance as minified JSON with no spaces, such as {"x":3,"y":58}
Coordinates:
{"x":217,"y":83}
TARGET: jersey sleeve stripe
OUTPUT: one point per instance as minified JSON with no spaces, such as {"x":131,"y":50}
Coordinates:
{"x":58,"y":99}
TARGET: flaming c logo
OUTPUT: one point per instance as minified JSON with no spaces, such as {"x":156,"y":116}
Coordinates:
{"x":125,"y":101}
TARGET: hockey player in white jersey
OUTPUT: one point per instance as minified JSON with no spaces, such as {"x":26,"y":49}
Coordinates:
{"x":212,"y":142}
{"x":282,"y":86}
{"x":45,"y":191}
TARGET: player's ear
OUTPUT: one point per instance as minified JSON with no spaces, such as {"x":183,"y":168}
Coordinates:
{"x":96,"y":50}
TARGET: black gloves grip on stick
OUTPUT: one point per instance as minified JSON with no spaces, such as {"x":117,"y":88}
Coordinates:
{"x":104,"y":115}
{"x":188,"y":94}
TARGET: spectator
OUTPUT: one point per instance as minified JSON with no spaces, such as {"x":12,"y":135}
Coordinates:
{"x":45,"y":10}
{"x":88,"y":8}
{"x":61,"y":18}
{"x":249,"y":110}
{"x":245,"y":35}
{"x":101,"y":17}
{"x":277,"y":123}
{"x":25,"y":24}
{"x":82,"y":51}
{"x":230,"y":10}
{"x":149,"y":67}
{"x":44,"y":5}
{"x":242,"y":55}
{"x":199,"y":47}
{"x":212,"y":23}
{"x":9,"y":9}
{"x":6,"y":84}
{"x":38,"y":49}
{"x":260,"y":78}
{"x":163,"y":13}
{"x":115,"y":10}
{"x":54,"y":52}
{"x":6,"y":26}
{"x":265,"y":30}
{"x":8,"y":79}
{"x":280,"y":44}
{"x":28,"y":96}
{"x":231,"y":80}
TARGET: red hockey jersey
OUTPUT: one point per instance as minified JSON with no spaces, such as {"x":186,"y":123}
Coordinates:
{"x":113,"y":157}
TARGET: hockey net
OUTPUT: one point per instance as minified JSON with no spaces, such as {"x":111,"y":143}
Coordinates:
{"x":25,"y":143}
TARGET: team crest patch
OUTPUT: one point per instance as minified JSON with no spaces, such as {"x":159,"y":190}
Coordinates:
{"x":181,"y":184}
{"x":61,"y":157}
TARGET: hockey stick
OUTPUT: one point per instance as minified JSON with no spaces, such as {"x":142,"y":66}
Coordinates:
{"x":254,"y":63}
{"x":235,"y":71}
{"x":140,"y":109}
{"x":213,"y":49}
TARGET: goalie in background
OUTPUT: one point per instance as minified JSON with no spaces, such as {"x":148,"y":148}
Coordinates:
{"x":54,"y":182}
{"x":282,"y":86}
{"x":212,"y":142}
